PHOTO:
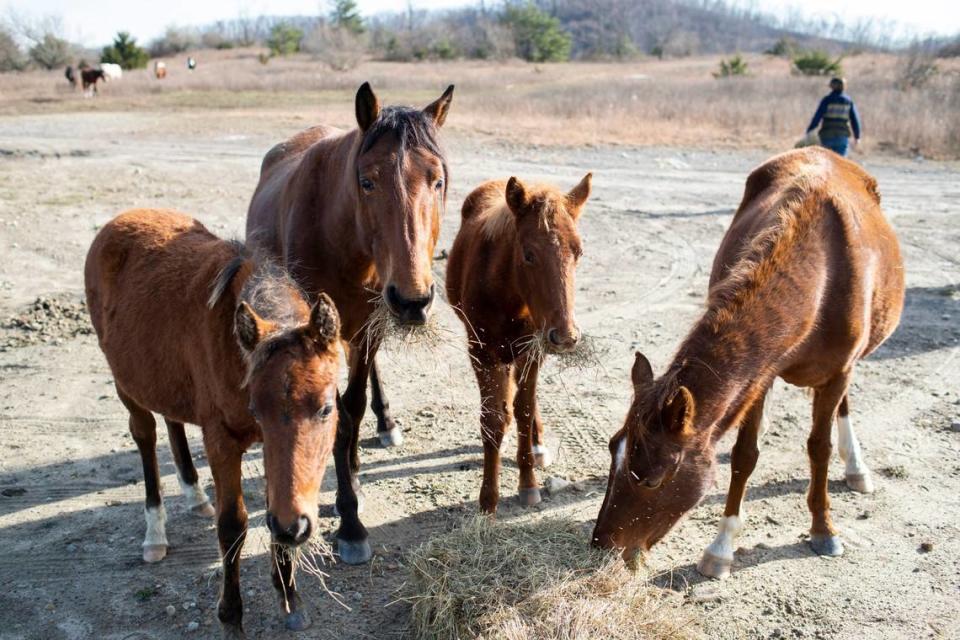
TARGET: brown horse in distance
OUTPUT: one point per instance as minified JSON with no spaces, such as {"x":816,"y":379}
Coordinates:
{"x":357,"y":214}
{"x":808,"y":281}
{"x":195,"y":330}
{"x":510,"y":278}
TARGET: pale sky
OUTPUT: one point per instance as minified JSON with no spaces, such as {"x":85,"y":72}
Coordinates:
{"x":94,"y":22}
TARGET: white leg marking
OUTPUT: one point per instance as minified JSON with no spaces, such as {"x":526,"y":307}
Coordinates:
{"x":194,"y":493}
{"x":155,"y":542}
{"x":542,"y":455}
{"x":717,"y":558}
{"x":856,"y":471}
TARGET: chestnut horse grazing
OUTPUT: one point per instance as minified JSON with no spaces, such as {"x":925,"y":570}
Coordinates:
{"x":510,"y":278}
{"x":357,"y":214}
{"x":196,"y":331}
{"x":808,"y":280}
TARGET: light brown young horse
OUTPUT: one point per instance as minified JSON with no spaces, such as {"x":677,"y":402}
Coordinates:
{"x":510,"y":278}
{"x":196,"y":331}
{"x":808,"y":280}
{"x":350,"y":213}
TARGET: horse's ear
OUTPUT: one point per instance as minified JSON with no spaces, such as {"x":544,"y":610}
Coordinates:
{"x":367,"y":106}
{"x":578,"y":195}
{"x":516,"y":196}
{"x":437,"y":110}
{"x":249,"y":327}
{"x":678,"y":413}
{"x":324,"y":321}
{"x":642,"y":372}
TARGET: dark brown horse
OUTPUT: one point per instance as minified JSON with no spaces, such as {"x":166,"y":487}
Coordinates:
{"x":350,"y":213}
{"x":510,"y":278}
{"x":196,"y":331}
{"x":808,"y":281}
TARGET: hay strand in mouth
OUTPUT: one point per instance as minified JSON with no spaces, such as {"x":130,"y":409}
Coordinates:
{"x":588,"y":354}
{"x":383,"y":329}
{"x":534,"y":581}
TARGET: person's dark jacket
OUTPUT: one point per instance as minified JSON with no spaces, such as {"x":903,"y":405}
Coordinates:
{"x":839,"y":116}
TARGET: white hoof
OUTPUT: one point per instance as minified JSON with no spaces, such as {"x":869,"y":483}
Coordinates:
{"x":542,"y":456}
{"x":204,"y":510}
{"x":154,"y":552}
{"x":713,"y":566}
{"x":391,"y":438}
{"x":860,"y":482}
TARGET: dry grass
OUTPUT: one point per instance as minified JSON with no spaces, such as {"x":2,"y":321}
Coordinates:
{"x":673,"y":102}
{"x":533,"y":581}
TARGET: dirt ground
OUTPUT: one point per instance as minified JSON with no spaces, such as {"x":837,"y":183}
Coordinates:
{"x":70,"y":479}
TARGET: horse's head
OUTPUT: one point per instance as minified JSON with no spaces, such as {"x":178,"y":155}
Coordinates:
{"x":292,"y":381}
{"x":546,"y":250}
{"x":661,"y":466}
{"x":401,"y":175}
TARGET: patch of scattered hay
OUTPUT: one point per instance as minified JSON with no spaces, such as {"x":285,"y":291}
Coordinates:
{"x":534,"y":581}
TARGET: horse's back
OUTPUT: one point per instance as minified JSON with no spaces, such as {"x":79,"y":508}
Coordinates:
{"x":836,"y":234}
{"x":147,"y":277}
{"x":484,"y":201}
{"x":276,"y":171}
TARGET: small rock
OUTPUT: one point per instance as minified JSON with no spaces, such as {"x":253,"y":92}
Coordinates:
{"x":426,"y":413}
{"x":556,"y":484}
{"x":71,"y":548}
{"x":763,"y":546}
{"x":251,"y":593}
{"x":356,"y":595}
{"x":864,"y":516}
{"x":704,"y":593}
{"x":955,"y":426}
{"x":193,"y":625}
{"x":171,"y":610}
{"x":926,"y":547}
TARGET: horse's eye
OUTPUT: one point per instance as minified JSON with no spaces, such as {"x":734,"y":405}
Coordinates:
{"x":325,"y":412}
{"x":366,"y":184}
{"x":528,"y":256}
{"x":439,"y":185}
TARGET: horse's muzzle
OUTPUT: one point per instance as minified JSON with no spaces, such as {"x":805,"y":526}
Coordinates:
{"x":413,"y":311}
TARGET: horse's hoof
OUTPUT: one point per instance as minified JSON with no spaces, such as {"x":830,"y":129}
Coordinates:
{"x":713,"y":566}
{"x":529,"y":497}
{"x":204,"y":510}
{"x":154,"y":552}
{"x":542,"y":456}
{"x":860,"y":482}
{"x":296,"y":621}
{"x":354,"y":552}
{"x":831,"y":546}
{"x":233,"y":632}
{"x":360,"y":502}
{"x":391,"y":438}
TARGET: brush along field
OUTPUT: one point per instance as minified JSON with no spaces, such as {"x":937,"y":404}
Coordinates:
{"x":71,"y":487}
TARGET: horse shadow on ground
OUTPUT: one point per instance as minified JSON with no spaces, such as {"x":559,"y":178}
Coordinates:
{"x":930,"y":322}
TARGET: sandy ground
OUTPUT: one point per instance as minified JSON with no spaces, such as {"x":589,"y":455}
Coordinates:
{"x":70,"y":479}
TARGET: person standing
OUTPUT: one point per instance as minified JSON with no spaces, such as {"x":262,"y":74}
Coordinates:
{"x":840,"y":119}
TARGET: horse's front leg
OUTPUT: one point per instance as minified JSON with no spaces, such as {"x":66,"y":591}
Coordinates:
{"x":525,"y":412}
{"x":387,"y":430}
{"x":352,"y":544}
{"x":496,"y":409}
{"x":224,"y":455}
{"x":284,"y":581}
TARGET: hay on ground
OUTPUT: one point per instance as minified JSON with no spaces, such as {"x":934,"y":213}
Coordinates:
{"x":534,"y":581}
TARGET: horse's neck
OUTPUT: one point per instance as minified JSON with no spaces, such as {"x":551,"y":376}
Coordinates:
{"x":728,"y":364}
{"x":335,"y":205}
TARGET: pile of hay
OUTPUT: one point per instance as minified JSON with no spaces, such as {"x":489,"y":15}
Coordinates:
{"x":532,"y":581}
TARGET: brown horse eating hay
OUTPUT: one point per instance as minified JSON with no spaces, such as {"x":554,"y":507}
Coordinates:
{"x":198,"y":332}
{"x":352,"y":213}
{"x":808,"y":281}
{"x":510,"y":278}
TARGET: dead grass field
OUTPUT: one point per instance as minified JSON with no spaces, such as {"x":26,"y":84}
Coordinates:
{"x":648,"y":102}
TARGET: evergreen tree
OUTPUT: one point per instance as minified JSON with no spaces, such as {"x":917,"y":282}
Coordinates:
{"x":346,"y":15}
{"x":125,"y":52}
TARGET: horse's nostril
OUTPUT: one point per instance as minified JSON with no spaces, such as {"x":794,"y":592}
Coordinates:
{"x":554,"y":337}
{"x":302,"y":529}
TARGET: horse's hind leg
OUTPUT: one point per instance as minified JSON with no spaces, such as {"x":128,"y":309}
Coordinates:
{"x":143,"y":428}
{"x":389,"y":433}
{"x":856,"y":472}
{"x":186,"y":472}
{"x":826,"y":400}
{"x":717,"y":558}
